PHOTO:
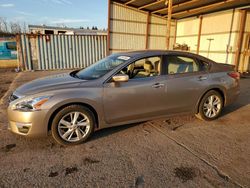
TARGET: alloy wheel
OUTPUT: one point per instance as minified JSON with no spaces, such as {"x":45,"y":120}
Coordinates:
{"x":73,"y":126}
{"x":212,"y":106}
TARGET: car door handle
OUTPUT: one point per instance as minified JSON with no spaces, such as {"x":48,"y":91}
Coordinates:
{"x":158,"y":85}
{"x":201,"y":78}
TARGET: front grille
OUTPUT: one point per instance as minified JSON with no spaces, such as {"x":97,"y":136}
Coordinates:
{"x":12,"y":97}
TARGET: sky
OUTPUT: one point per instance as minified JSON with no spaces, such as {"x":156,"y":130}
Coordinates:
{"x":70,"y":13}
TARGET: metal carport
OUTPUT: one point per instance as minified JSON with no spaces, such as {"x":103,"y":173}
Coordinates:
{"x":218,"y":29}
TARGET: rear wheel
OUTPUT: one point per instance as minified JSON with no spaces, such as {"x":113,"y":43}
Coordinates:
{"x":210,"y":106}
{"x":72,"y":125}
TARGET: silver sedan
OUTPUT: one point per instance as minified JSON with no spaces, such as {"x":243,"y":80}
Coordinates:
{"x":120,"y":89}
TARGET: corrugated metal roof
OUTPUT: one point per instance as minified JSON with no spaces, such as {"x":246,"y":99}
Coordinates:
{"x":76,"y":30}
{"x":184,"y":8}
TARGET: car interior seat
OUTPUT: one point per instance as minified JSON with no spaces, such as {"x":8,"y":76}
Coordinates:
{"x":148,"y":67}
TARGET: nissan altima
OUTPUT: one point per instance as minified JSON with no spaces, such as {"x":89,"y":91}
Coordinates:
{"x":120,"y":89}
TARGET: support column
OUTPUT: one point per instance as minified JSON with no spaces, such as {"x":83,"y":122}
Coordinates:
{"x":147,"y":32}
{"x":108,"y":32}
{"x":240,"y":39}
{"x":199,"y":35}
{"x":169,"y":3}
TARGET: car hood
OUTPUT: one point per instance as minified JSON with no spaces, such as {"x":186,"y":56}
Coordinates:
{"x":48,"y":83}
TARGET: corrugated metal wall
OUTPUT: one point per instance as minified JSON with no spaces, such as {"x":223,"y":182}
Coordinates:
{"x":128,"y":29}
{"x":221,"y":27}
{"x":48,"y":52}
{"x":158,"y":31}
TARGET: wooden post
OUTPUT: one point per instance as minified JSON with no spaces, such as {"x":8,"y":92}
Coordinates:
{"x":147,"y":32}
{"x":240,"y":39}
{"x":175,"y":32}
{"x":19,"y":52}
{"x":108,"y":32}
{"x":199,"y":35}
{"x":169,"y":3}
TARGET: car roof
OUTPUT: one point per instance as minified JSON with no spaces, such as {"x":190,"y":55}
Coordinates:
{"x":142,"y":53}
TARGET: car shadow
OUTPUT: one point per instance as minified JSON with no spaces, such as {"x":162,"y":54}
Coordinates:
{"x":111,"y":130}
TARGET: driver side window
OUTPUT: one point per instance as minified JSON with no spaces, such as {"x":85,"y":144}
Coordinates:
{"x":146,"y":67}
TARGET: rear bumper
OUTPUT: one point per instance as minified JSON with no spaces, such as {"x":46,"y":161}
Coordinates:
{"x":30,"y":124}
{"x":232,"y":95}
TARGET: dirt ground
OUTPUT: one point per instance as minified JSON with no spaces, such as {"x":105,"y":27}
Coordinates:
{"x":6,"y":77}
{"x":176,"y":152}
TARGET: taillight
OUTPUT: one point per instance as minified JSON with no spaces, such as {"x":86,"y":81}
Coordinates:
{"x":234,"y":75}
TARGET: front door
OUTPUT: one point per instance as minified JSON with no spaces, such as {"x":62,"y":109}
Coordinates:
{"x":139,"y":98}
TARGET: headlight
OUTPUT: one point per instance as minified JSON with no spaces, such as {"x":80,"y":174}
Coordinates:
{"x":33,"y":104}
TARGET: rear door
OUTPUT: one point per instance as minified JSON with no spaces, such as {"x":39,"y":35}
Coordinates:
{"x":139,"y":98}
{"x":187,"y":78}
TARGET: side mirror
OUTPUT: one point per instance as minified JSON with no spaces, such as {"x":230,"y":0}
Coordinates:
{"x":120,"y":78}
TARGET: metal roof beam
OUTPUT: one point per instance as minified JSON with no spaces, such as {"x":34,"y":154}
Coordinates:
{"x":129,"y":2}
{"x":169,"y":3}
{"x":177,"y":5}
{"x":151,"y":4}
{"x":200,"y":9}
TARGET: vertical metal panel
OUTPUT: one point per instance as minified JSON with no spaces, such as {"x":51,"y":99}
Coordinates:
{"x":61,"y":51}
{"x":46,"y":66}
{"x":56,"y":52}
{"x":53,"y":53}
{"x":38,"y":53}
{"x":221,"y":27}
{"x":77,"y":54}
{"x":48,"y":43}
{"x":67,"y":51}
{"x":90,"y":47}
{"x":41,"y":61}
{"x":127,"y":28}
{"x":157,"y":33}
{"x":83,"y":40}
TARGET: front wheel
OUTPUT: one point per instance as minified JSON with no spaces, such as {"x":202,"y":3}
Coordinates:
{"x":72,"y":125}
{"x":210,"y":106}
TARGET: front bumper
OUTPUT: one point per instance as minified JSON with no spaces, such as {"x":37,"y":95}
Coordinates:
{"x":30,"y":124}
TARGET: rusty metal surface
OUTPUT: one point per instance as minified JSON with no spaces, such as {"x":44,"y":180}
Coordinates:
{"x":51,"y":52}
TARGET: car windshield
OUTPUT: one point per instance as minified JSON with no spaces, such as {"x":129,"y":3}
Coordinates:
{"x":102,"y":67}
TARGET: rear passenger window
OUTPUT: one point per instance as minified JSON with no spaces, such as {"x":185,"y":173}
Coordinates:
{"x":180,"y":64}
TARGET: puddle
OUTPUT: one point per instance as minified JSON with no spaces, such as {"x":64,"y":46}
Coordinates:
{"x":90,"y":161}
{"x":185,"y":173}
{"x":8,"y":147}
{"x":53,"y":174}
{"x":70,"y":170}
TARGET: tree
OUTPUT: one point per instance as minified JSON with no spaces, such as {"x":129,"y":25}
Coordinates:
{"x":3,"y":25}
{"x":15,"y":27}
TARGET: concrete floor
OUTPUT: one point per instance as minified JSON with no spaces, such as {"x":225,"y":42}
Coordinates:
{"x":176,"y":152}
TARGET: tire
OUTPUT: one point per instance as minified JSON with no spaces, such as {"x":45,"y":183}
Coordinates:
{"x":72,"y":125}
{"x":210,"y":111}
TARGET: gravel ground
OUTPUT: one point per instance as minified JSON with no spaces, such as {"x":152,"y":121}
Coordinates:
{"x":176,"y":152}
